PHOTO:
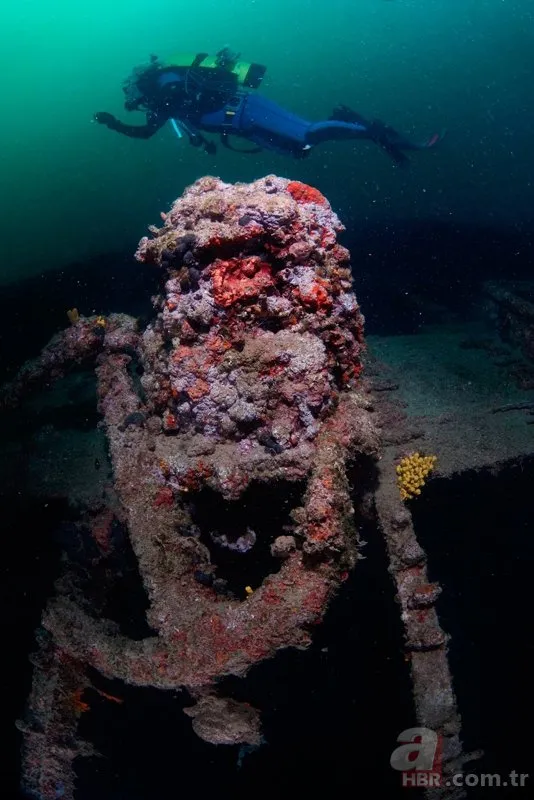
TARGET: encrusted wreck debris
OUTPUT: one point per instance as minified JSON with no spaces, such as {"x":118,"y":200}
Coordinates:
{"x":512,"y":308}
{"x":242,"y":400}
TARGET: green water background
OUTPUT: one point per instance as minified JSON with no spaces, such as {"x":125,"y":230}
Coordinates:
{"x":73,"y":189}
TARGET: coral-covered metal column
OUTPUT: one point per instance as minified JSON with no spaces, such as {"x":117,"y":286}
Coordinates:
{"x":241,"y":396}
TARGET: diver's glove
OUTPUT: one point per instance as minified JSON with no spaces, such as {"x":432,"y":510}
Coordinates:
{"x":104,"y":118}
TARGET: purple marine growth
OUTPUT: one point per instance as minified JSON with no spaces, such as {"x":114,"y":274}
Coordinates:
{"x":242,"y":394}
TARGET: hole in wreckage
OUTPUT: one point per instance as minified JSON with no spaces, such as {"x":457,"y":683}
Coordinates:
{"x":239,"y":533}
{"x":107,"y":585}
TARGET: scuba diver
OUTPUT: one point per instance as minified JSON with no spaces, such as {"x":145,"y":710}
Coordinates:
{"x":201,"y":94}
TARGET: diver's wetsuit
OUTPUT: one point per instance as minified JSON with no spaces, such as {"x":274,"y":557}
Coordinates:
{"x":215,"y":104}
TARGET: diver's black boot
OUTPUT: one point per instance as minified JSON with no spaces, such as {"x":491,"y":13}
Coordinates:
{"x":383,"y":135}
{"x":389,"y":140}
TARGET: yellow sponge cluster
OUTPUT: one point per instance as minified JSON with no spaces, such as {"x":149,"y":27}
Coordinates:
{"x":411,"y":474}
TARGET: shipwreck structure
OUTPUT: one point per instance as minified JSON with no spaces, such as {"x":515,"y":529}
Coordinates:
{"x":240,"y":419}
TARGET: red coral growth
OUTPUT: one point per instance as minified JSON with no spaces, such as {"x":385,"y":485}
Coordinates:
{"x":111,"y":697}
{"x":170,"y":422}
{"x":195,"y":477}
{"x":316,"y":296}
{"x":187,"y":334}
{"x":217,"y":344}
{"x":240,"y":279}
{"x":303,"y":193}
{"x":79,"y":705}
{"x":101,"y":530}
{"x":164,"y":497}
{"x":198,"y":390}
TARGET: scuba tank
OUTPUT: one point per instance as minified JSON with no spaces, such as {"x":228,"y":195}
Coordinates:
{"x":249,"y":75}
